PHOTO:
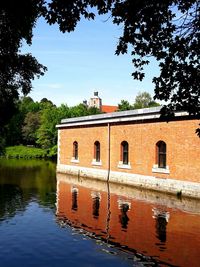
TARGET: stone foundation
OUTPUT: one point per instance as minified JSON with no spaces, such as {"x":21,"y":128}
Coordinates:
{"x":172,"y":186}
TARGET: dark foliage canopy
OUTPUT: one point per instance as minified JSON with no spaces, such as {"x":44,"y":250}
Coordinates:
{"x":168,"y":30}
{"x":17,"y":70}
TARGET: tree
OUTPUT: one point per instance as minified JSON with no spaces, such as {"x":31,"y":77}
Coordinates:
{"x":51,"y":116}
{"x":124,"y":105}
{"x":45,"y":103}
{"x":82,"y":110}
{"x":26,"y":104}
{"x":30,"y":127}
{"x":144,"y":100}
{"x":7,"y":105}
{"x":93,"y":111}
{"x":13,"y":130}
{"x":17,"y":70}
{"x":22,"y":126}
{"x":7,"y":109}
{"x":168,"y":30}
{"x":47,"y":133}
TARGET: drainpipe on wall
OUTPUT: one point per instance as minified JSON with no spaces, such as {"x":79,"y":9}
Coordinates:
{"x":108,"y":188}
{"x":108,"y":176}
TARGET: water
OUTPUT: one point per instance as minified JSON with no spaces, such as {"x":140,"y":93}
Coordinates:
{"x":57,"y":220}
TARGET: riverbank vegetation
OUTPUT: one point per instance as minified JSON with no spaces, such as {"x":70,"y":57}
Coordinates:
{"x":31,"y":132}
{"x":25,"y":152}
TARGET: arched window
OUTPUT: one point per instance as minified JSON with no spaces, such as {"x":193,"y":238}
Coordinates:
{"x":75,"y":150}
{"x":161,"y":154}
{"x":124,"y":152}
{"x":97,"y":151}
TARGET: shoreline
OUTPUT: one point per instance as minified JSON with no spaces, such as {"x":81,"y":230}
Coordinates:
{"x":176,"y":187}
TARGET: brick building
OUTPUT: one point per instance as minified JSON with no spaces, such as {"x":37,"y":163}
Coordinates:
{"x":133,"y":147}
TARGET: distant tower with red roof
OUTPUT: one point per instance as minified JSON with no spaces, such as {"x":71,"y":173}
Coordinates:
{"x":96,"y":101}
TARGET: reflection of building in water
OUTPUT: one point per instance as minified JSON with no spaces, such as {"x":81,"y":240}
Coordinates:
{"x":96,"y":197}
{"x":162,"y":217}
{"x":123,"y":217}
{"x":74,"y":191}
{"x":137,"y":147}
{"x":131,"y":223}
{"x":124,"y":207}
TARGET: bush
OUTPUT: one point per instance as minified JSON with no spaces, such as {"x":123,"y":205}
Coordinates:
{"x":52,"y":152}
{"x":25,"y":152}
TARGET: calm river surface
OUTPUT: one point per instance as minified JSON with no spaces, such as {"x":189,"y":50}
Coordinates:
{"x":57,"y":220}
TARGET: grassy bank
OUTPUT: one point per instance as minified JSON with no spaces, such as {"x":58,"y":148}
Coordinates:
{"x":29,"y":152}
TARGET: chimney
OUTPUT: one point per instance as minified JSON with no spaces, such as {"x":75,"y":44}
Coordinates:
{"x":96,"y":93}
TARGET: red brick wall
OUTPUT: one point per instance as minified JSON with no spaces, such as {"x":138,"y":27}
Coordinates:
{"x":86,"y":138}
{"x":183,"y":147}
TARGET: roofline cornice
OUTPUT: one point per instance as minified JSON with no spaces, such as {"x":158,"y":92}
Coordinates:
{"x":116,"y":117}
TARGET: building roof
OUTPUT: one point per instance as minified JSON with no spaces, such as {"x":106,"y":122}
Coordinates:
{"x":116,"y":117}
{"x":127,"y":115}
{"x":108,"y":109}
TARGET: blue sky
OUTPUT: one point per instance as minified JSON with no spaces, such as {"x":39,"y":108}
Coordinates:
{"x":84,"y":61}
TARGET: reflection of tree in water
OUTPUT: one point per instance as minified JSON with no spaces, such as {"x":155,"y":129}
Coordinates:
{"x":74,"y":198}
{"x":123,"y":217}
{"x":96,"y":204}
{"x":161,"y":218}
{"x":35,"y":178}
{"x":11,"y":200}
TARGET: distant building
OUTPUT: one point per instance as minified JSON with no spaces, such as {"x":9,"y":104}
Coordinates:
{"x":96,"y":102}
{"x":108,"y":109}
